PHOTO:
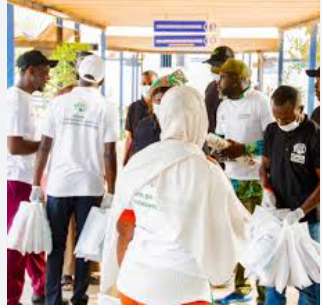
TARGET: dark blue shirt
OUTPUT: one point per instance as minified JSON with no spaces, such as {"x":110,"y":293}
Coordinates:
{"x":148,"y":131}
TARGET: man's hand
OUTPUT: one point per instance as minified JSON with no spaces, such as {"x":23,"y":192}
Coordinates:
{"x":234,"y":150}
{"x":294,"y":217}
{"x":36,"y":195}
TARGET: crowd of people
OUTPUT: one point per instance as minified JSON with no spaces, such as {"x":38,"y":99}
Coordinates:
{"x":179,"y":211}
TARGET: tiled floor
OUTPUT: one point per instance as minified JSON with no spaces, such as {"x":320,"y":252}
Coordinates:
{"x":93,"y":291}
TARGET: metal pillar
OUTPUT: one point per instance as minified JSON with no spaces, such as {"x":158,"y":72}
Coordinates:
{"x":281,"y":58}
{"x":77,"y":34}
{"x":260,"y":71}
{"x":121,"y":90}
{"x":141,"y":64}
{"x":250,"y":60}
{"x":103,"y":56}
{"x":10,"y":46}
{"x":312,"y":65}
{"x":137,"y":79}
{"x":59,"y":31}
{"x":133,"y":78}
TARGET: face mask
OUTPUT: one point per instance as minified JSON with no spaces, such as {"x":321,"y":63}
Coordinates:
{"x":216,"y":77}
{"x":156,"y":109}
{"x":145,"y":91}
{"x":289,"y":127}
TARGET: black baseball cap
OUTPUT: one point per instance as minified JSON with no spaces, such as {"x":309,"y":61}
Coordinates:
{"x":313,"y":73}
{"x":220,"y":55}
{"x":34,"y":58}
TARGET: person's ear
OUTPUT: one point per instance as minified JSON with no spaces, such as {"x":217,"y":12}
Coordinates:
{"x":30,"y":71}
{"x":101,"y":83}
{"x":301,"y":109}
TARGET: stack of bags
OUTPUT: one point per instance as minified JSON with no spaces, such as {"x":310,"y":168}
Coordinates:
{"x":30,"y":231}
{"x":280,"y":255}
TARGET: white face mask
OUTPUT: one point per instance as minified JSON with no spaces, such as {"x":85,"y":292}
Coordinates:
{"x":216,"y":77}
{"x":145,"y":91}
{"x":156,"y":109}
{"x":289,"y":127}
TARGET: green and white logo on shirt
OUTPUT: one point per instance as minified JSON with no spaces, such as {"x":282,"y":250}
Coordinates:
{"x":79,"y":107}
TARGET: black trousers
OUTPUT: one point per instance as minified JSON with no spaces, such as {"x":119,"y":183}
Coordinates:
{"x":59,"y":211}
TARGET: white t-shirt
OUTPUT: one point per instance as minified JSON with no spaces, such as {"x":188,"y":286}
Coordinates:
{"x":20,"y":124}
{"x":244,"y":120}
{"x":156,"y":268}
{"x":80,"y":124}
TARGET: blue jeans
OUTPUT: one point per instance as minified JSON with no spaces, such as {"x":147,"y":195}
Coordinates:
{"x":59,"y":211}
{"x":308,"y":296}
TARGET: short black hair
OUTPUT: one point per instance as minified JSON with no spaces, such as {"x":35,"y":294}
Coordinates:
{"x":284,"y":95}
{"x":150,"y":73}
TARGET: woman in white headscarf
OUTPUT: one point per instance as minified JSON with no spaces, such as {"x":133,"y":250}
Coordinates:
{"x":189,"y":227}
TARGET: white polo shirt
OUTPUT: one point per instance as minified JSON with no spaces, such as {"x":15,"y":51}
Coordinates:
{"x":80,"y":124}
{"x":245,"y":121}
{"x":20,"y":124}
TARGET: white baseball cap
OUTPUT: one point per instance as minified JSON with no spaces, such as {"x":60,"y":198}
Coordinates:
{"x":92,"y":69}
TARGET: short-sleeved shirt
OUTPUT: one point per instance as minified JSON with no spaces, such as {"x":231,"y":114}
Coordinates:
{"x":137,"y":111}
{"x":294,"y":158}
{"x":316,"y":115}
{"x":80,"y":124}
{"x":244,"y":120}
{"x":20,"y":124}
{"x":212,"y":101}
{"x":147,"y":132}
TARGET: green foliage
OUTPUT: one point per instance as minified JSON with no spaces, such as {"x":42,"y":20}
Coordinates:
{"x":64,"y":74}
{"x":299,"y":49}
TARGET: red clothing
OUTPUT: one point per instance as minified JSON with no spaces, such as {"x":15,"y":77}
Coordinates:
{"x":128,"y":301}
{"x":17,"y":264}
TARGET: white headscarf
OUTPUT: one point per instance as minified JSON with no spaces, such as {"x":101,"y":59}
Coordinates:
{"x":195,"y":196}
{"x":183,"y":116}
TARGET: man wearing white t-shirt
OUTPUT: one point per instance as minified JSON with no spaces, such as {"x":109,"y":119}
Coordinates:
{"x":33,"y":75}
{"x":80,"y":131}
{"x":242,"y":119}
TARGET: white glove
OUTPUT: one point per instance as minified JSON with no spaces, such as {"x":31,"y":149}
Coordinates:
{"x":107,"y":201}
{"x":37,"y":194}
{"x":269,"y":200}
{"x":294,"y":217}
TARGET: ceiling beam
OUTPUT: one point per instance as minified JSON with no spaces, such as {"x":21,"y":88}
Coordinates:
{"x":50,"y":10}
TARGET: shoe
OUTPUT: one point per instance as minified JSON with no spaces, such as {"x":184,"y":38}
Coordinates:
{"x":94,"y":280}
{"x":67,"y":283}
{"x":38,"y":300}
{"x":234,"y":298}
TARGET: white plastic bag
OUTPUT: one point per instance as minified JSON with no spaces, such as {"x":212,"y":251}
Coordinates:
{"x":91,"y":240}
{"x":309,"y":252}
{"x":298,"y":274}
{"x":268,"y":274}
{"x":262,"y":222}
{"x":30,"y":231}
{"x":282,"y":268}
